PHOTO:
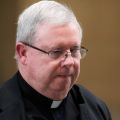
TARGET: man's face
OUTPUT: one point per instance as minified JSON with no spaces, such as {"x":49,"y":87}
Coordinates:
{"x":53,"y":77}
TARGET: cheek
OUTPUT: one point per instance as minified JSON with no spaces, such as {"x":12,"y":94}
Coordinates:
{"x":77,"y":71}
{"x":35,"y":65}
{"x":77,"y":67}
{"x":41,"y":68}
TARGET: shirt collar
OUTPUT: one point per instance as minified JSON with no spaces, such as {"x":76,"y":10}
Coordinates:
{"x":36,"y":98}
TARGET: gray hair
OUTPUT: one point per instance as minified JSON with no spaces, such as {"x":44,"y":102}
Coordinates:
{"x":43,"y":11}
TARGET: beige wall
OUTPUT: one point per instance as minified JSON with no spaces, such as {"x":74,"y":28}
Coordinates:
{"x":101,"y":25}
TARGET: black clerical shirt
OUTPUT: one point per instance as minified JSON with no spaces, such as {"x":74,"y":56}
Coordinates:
{"x":36,"y":105}
{"x":18,"y":101}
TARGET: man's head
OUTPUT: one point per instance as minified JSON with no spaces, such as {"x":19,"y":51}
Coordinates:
{"x":48,"y":48}
{"x":40,"y":13}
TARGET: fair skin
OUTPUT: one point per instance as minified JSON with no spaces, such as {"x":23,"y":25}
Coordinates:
{"x":49,"y":77}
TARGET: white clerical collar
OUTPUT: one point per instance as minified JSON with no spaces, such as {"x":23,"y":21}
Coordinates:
{"x":55,"y":104}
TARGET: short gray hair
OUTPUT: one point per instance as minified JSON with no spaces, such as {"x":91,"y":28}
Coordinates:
{"x":41,"y":12}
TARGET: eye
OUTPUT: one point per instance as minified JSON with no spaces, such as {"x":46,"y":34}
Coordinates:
{"x":75,"y":52}
{"x":56,"y":53}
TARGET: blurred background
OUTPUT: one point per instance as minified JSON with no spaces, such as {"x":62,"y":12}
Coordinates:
{"x":100,"y":20}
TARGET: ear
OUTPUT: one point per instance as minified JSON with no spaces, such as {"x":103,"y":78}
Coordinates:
{"x":21,"y":51}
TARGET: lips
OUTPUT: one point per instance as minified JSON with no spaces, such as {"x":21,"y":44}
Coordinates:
{"x":65,"y":75}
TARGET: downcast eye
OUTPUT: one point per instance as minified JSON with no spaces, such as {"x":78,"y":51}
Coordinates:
{"x":56,"y":53}
{"x":75,"y":52}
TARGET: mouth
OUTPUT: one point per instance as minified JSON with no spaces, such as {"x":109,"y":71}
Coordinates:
{"x":65,"y":76}
{"x":63,"y":82}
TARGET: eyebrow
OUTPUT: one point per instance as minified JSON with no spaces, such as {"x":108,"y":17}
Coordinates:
{"x":62,"y":47}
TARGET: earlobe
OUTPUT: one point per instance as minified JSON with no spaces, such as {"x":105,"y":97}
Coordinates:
{"x":21,"y":52}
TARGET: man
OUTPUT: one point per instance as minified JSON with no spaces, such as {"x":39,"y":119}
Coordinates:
{"x":48,"y":54}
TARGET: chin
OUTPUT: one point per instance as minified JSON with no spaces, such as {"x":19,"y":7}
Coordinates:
{"x":60,"y":95}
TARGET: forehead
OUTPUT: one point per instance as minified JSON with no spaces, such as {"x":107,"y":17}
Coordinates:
{"x":61,"y":35}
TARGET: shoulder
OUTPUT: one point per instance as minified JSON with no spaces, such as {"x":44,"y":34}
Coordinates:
{"x":87,"y":95}
{"x":92,"y":102}
{"x":8,"y":84}
{"x":9,"y":90}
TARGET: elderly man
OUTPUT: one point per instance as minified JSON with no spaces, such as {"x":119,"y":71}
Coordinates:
{"x":48,"y":54}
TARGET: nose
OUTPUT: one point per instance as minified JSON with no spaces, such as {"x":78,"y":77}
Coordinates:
{"x":68,"y":59}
